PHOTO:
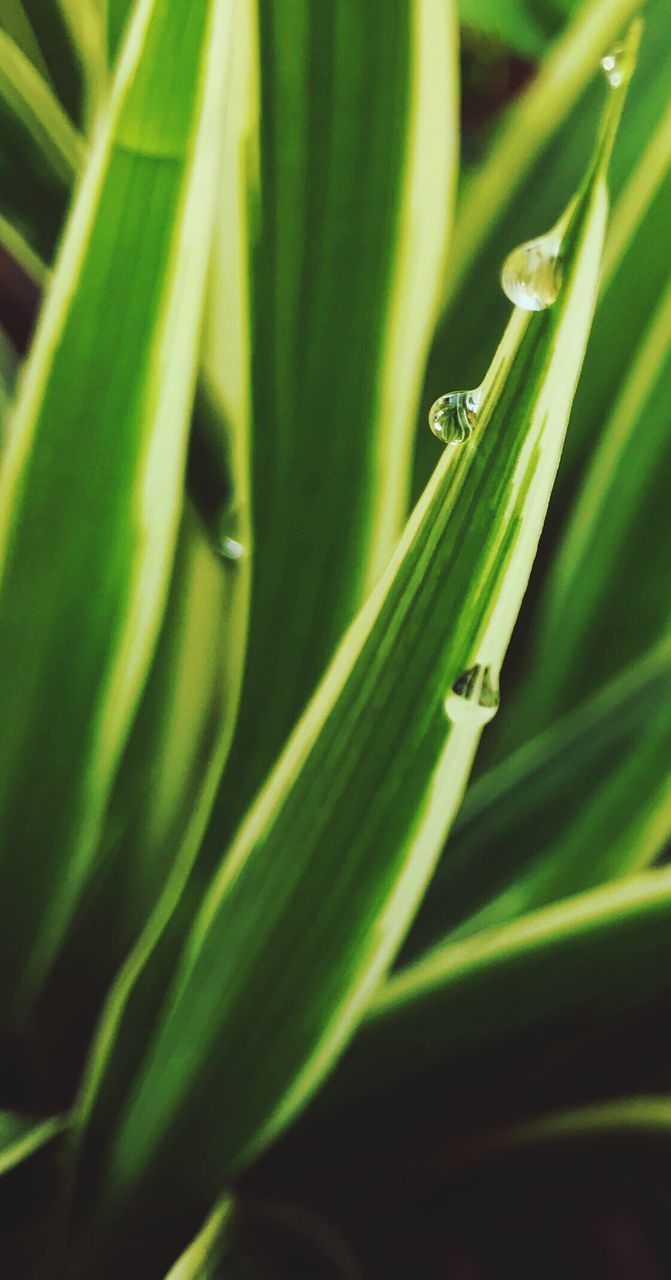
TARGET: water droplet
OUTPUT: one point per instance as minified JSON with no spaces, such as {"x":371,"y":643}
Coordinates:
{"x":474,"y":697}
{"x":618,"y":65}
{"x":452,"y":416}
{"x":531,"y":275}
{"x":231,"y":549}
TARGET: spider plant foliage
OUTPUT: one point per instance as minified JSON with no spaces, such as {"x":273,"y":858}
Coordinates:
{"x":260,"y":932}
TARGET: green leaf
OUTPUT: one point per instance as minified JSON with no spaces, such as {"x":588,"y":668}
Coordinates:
{"x":620,"y":1116}
{"x":329,"y":864}
{"x":609,"y":948}
{"x":118,"y":13}
{"x":21,"y":1137}
{"x":535,"y":155}
{"x":522,"y":25}
{"x":13,"y":20}
{"x":85,"y":21}
{"x":107,"y":504}
{"x":57,"y":47}
{"x":183,"y":725}
{"x":202,"y":1258}
{"x":550,"y":819}
{"x":18,"y":248}
{"x":609,"y":550}
{"x":39,"y":149}
{"x":7,"y":376}
{"x":354,"y":131}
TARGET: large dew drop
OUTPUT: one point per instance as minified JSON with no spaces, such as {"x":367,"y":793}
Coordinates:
{"x":474,"y":697}
{"x":452,"y":416}
{"x":531,"y":275}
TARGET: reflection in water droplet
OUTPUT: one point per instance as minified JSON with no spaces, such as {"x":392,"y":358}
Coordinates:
{"x":231,"y":549}
{"x":531,"y":275}
{"x":474,"y":697}
{"x":452,"y":416}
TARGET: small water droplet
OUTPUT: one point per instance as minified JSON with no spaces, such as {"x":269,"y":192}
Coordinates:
{"x":531,"y":275}
{"x":474,"y":697}
{"x":618,"y":65}
{"x":452,"y":416}
{"x":231,"y":549}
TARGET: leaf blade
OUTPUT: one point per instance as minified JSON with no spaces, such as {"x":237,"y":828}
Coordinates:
{"x":57,"y":390}
{"x":349,"y":738}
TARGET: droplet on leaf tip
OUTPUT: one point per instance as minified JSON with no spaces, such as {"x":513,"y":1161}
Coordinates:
{"x":531,"y":274}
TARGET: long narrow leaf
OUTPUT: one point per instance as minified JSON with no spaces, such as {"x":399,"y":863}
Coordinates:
{"x":21,"y":1137}
{"x":598,"y":951}
{"x":182,"y":729}
{"x":376,"y":728}
{"x":541,"y":144}
{"x":610,"y":548}
{"x":112,"y":497}
{"x":545,"y":821}
{"x":58,"y":50}
{"x":203,"y":1256}
{"x":39,"y":148}
{"x":347,"y":273}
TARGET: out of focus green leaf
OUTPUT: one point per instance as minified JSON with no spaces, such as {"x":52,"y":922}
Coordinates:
{"x":201,"y":1261}
{"x":518,"y":23}
{"x":39,"y":149}
{"x":54,"y":37}
{"x":21,"y":1136}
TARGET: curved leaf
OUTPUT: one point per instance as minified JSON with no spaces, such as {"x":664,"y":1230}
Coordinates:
{"x":57,"y":47}
{"x":39,"y":149}
{"x":21,"y":1137}
{"x":111,"y":499}
{"x":547,"y":820}
{"x":347,"y":273}
{"x":353,"y":817}
{"x":202,"y":1258}
{"x":601,"y":950}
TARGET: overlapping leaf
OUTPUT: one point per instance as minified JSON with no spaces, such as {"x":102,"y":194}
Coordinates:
{"x":524,"y":26}
{"x":45,"y":25}
{"x":39,"y":149}
{"x":347,"y":270}
{"x":327,"y":868}
{"x":539,"y":148}
{"x":602,"y":950}
{"x":182,"y":729}
{"x":21,"y":1136}
{"x":89,"y":518}
{"x":609,"y":551}
{"x":202,"y":1258}
{"x":559,"y":815}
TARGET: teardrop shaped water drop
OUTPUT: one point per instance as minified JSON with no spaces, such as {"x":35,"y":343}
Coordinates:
{"x":474,"y":697}
{"x":452,"y":416}
{"x":531,"y":275}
